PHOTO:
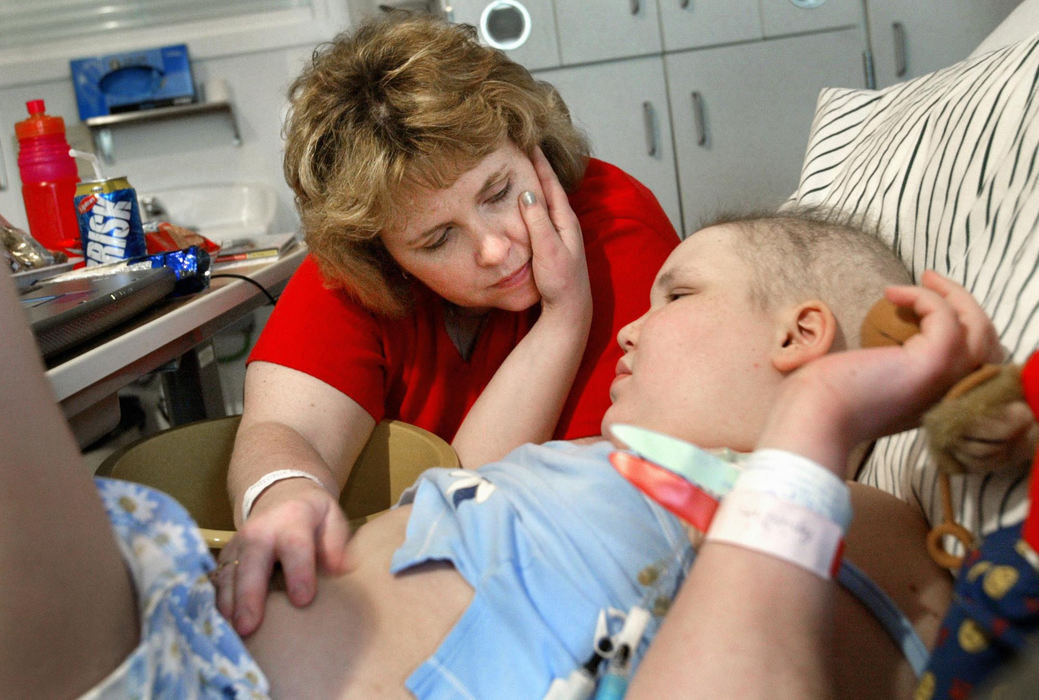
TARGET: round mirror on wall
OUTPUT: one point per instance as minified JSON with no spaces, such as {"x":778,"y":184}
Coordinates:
{"x":505,"y":24}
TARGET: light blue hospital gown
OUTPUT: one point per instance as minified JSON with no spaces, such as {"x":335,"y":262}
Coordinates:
{"x":547,"y":538}
{"x":187,"y":649}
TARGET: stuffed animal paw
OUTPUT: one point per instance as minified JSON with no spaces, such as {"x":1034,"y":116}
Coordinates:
{"x":983,"y":424}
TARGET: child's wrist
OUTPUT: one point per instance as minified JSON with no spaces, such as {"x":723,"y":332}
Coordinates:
{"x":817,"y":442}
{"x":807,"y":419}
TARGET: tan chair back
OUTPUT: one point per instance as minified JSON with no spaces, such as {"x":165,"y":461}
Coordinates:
{"x":189,"y":463}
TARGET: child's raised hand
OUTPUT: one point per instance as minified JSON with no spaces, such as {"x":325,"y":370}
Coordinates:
{"x":842,"y":399}
{"x":982,"y":341}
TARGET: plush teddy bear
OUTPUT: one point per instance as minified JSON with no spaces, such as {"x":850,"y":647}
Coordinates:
{"x":993,"y":619}
{"x":983,"y":424}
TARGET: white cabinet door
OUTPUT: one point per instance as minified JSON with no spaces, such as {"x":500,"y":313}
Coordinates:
{"x":741,"y":116}
{"x":605,"y":29}
{"x":913,"y":37}
{"x":779,"y":17}
{"x":687,"y":24}
{"x":622,"y":107}
{"x":539,"y":50}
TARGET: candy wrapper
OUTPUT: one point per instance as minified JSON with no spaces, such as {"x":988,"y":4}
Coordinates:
{"x":22,"y":251}
{"x":162,"y":237}
{"x":190,"y":265}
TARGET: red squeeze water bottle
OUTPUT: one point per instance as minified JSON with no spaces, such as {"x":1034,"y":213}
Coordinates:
{"x":49,"y":180}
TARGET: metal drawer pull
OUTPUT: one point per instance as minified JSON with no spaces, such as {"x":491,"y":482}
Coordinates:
{"x":651,"y":128}
{"x":635,"y":5}
{"x":3,"y":170}
{"x":698,"y":120}
{"x":900,"y":48}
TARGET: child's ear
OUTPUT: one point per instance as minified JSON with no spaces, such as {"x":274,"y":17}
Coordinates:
{"x":806,"y":331}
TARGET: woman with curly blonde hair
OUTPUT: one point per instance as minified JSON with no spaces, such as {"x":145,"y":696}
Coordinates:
{"x":469,"y":268}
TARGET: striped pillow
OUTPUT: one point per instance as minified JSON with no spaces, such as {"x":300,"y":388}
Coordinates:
{"x":948,"y":165}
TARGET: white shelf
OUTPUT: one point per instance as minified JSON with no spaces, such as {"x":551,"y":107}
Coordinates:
{"x":100,"y":127}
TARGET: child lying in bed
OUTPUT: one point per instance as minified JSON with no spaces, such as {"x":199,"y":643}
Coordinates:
{"x":492,"y":583}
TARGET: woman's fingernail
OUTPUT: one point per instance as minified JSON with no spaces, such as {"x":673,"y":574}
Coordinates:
{"x":528,"y":198}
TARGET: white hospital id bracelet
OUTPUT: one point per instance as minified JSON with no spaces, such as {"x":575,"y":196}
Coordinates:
{"x":766,"y":524}
{"x":254,"y":491}
{"x":791,"y":477}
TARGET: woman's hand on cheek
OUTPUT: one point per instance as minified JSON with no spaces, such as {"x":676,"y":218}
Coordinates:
{"x":557,"y":248}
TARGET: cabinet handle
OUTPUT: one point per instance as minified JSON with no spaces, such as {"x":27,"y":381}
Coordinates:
{"x":698,"y":120}
{"x":651,"y":128}
{"x":683,"y":4}
{"x":3,"y":170}
{"x":635,"y":7}
{"x":868,"y":72}
{"x":899,"y":32}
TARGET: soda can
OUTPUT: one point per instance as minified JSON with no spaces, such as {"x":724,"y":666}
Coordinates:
{"x":109,"y":221}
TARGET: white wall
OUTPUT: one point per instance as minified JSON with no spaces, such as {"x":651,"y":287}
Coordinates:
{"x":193,"y":150}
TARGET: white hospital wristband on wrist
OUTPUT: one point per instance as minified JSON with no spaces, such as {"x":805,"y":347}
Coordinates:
{"x":254,"y":491}
{"x":791,"y":477}
{"x":763,"y":523}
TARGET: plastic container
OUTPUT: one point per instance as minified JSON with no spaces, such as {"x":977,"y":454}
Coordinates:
{"x":49,"y":178}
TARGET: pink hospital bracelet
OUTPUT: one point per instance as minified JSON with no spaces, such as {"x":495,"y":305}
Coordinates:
{"x":763,"y":523}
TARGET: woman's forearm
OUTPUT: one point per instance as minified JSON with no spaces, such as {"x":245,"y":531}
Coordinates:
{"x":293,"y":421}
{"x":263,"y":448}
{"x":523,"y":401}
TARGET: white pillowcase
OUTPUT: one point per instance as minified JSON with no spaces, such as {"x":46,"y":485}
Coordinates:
{"x":1019,"y":25}
{"x":948,"y":165}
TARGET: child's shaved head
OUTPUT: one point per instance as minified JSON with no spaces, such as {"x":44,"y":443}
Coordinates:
{"x":797,"y":255}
